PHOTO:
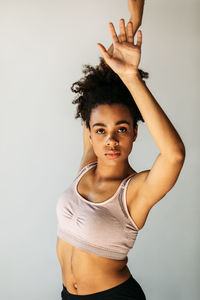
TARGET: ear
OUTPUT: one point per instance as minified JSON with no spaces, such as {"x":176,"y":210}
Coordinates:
{"x":90,"y":139}
{"x":135,"y":133}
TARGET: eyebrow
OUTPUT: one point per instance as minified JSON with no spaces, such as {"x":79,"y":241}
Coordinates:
{"x":117,"y":123}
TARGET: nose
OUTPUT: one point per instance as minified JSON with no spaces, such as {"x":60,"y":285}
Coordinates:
{"x":112,"y":141}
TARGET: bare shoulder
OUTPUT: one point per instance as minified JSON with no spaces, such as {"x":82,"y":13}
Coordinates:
{"x":137,"y":181}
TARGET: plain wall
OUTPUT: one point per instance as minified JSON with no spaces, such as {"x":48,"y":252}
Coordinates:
{"x":43,"y":47}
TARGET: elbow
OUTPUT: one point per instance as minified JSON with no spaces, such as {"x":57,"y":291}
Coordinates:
{"x":179,"y":155}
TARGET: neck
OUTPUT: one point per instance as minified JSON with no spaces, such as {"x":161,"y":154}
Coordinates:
{"x":112,"y":170}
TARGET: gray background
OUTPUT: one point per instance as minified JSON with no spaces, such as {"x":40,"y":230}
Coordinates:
{"x":43,"y":47}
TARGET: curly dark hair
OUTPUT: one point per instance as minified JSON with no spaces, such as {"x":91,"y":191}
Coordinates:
{"x":101,"y":85}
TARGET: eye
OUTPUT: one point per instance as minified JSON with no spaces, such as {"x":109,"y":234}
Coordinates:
{"x":124,"y":129}
{"x":99,"y":130}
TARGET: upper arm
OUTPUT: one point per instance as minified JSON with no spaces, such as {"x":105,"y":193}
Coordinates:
{"x":87,"y":158}
{"x":160,"y":179}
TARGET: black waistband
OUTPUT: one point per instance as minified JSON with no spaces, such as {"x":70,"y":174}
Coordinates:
{"x":107,"y":292}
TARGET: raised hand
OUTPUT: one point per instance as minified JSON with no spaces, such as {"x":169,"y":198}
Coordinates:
{"x":126,"y":55}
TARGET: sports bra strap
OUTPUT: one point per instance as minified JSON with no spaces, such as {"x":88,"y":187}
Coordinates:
{"x":85,"y":168}
{"x":125,"y":182}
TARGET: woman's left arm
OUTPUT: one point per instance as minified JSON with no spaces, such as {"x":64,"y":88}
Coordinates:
{"x":167,"y":166}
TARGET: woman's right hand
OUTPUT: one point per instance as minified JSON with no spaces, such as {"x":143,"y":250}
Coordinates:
{"x":135,"y":8}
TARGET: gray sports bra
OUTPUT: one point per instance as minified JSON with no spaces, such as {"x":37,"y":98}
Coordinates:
{"x":105,"y":228}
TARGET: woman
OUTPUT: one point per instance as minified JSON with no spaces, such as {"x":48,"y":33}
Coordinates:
{"x":100,"y":214}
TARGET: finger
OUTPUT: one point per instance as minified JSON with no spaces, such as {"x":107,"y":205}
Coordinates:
{"x":113,"y":33}
{"x":130,"y":37}
{"x":122,"y":30}
{"x":139,"y":38}
{"x":104,"y":53}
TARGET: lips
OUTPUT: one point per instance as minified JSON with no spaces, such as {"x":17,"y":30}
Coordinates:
{"x":112,"y":152}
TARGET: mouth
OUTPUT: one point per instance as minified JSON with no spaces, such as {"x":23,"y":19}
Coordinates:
{"x":113,"y":154}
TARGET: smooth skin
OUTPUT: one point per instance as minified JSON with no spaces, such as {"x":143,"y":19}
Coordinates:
{"x":167,"y":166}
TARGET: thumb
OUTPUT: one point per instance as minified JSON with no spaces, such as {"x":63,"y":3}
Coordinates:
{"x":104,"y":53}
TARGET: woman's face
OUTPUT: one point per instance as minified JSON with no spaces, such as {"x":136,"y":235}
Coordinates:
{"x":111,"y":130}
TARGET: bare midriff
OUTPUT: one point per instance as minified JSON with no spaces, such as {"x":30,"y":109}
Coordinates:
{"x":85,"y":273}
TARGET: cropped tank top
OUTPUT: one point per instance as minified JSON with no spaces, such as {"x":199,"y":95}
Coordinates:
{"x":105,"y":228}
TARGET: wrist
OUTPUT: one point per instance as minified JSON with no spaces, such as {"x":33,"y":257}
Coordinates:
{"x":131,"y":78}
{"x":136,"y":21}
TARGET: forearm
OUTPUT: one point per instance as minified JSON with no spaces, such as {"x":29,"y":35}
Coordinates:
{"x":157,"y":122}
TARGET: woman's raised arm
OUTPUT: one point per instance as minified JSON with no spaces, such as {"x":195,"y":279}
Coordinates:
{"x":168,"y":164}
{"x":135,"y":8}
